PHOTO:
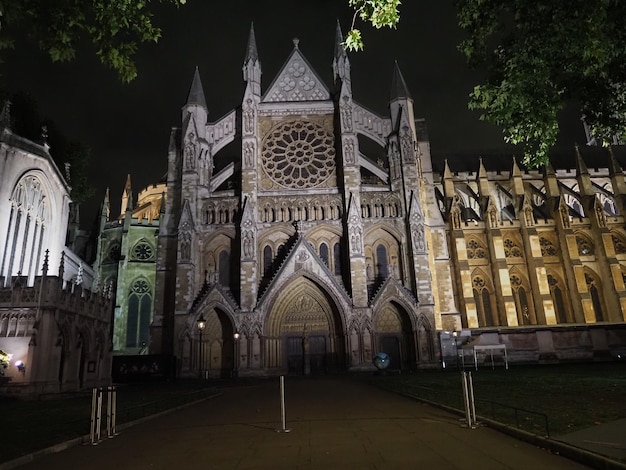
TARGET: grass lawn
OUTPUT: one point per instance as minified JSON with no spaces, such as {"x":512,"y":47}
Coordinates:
{"x":572,"y":396}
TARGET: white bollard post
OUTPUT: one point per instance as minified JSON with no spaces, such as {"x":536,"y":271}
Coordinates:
{"x":92,"y":424}
{"x":114,"y":411}
{"x":99,"y":416}
{"x":471,"y":401}
{"x":110,"y":412}
{"x":283,"y":415}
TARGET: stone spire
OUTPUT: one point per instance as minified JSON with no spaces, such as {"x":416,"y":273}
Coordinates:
{"x":251,"y":52}
{"x":196,"y":94}
{"x":448,"y":182}
{"x":341,"y":63}
{"x":252,"y":65}
{"x":127,"y":197}
{"x":399,"y":90}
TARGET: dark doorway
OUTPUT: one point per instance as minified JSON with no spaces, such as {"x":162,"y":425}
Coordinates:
{"x":390,"y":345}
{"x":317,"y":354}
{"x":295,"y":355}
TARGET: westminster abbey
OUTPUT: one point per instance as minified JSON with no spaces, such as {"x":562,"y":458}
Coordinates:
{"x":302,"y":233}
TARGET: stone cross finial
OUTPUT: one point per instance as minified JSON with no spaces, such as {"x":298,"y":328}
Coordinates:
{"x":44,"y":268}
{"x":296,"y":41}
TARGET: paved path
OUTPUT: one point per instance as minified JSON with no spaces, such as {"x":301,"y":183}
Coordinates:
{"x":336,"y":423}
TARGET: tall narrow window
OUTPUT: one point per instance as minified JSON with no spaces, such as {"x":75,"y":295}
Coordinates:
{"x":267,"y":259}
{"x":324,"y":254}
{"x":597,"y":305}
{"x":139,"y":314}
{"x":482,"y":298}
{"x":337,"y":258}
{"x":224,"y":276}
{"x":596,"y":296}
{"x":382,"y":263}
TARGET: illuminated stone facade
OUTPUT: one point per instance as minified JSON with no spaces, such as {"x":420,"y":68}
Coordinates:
{"x":53,"y":326}
{"x":307,"y":233}
{"x":126,"y":264}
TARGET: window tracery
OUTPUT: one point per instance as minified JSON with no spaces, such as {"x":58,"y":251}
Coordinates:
{"x":511,"y":249}
{"x":299,"y":154}
{"x":585,"y":247}
{"x":475,"y":250}
{"x":619,"y":243}
{"x":142,"y":251}
{"x":547,"y":247}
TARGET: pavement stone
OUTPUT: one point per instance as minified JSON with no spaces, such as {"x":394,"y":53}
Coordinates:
{"x":334,"y":423}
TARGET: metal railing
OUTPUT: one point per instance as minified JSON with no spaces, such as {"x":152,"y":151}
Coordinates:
{"x":527,"y":420}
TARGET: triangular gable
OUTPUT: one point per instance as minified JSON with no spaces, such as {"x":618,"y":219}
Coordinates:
{"x":186,"y":223}
{"x":303,"y":258}
{"x":296,"y":81}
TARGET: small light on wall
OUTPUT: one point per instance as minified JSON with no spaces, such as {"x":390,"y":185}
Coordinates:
{"x":236,"y":336}
{"x":20,"y":366}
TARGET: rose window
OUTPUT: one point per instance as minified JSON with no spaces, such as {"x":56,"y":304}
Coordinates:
{"x":299,"y":154}
{"x":142,"y":251}
{"x":141,"y":286}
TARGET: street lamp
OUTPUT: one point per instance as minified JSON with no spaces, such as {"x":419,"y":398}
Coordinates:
{"x":236,"y":364}
{"x":455,"y":335}
{"x":201,"y":323}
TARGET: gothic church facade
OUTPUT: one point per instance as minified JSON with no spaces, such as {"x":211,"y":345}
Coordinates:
{"x":305,"y":233}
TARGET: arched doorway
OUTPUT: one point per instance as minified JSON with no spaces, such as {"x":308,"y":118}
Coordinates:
{"x":394,"y":336}
{"x":304,"y":333}
{"x":216,"y":350}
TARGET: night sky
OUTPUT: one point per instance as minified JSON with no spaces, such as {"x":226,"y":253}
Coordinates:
{"x":127,"y":125}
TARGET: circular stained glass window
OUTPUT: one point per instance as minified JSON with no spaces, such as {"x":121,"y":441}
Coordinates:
{"x":141,"y":286}
{"x":142,"y":251}
{"x":299,"y":154}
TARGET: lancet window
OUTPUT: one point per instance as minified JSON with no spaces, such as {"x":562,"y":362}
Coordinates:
{"x":139,"y":314}
{"x":482,"y":298}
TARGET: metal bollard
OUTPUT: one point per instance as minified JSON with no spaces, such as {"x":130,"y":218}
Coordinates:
{"x":282,"y":406}
{"x":114,"y":412}
{"x":111,"y":409}
{"x":471,"y":400}
{"x":96,"y":413}
{"x":99,"y":416}
{"x":468,"y":399}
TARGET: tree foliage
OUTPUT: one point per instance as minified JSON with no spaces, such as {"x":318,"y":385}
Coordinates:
{"x":114,"y":27}
{"x":377,"y":12}
{"x":540,"y":55}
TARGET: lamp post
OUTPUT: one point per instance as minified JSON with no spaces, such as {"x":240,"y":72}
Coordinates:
{"x":236,"y":363}
{"x":201,"y":323}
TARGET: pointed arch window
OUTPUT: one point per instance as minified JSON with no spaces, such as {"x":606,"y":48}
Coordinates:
{"x":595,"y":291}
{"x":267,"y":259}
{"x":547,"y":247}
{"x":337,"y":258}
{"x":619,"y":243}
{"x":224,"y":275}
{"x":482,"y":298}
{"x":324,"y":254}
{"x":139,"y":314}
{"x":585,"y":246}
{"x":382,"y":263}
{"x":522,"y":306}
{"x":556,"y":292}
